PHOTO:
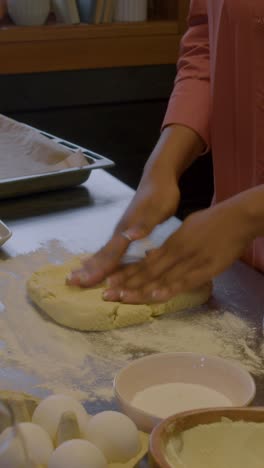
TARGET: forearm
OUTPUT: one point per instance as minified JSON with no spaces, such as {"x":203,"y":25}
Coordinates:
{"x":176,"y":149}
{"x":251,"y":205}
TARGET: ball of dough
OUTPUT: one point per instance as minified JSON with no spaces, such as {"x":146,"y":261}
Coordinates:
{"x":48,"y":413}
{"x":115,"y":435}
{"x":37,"y":442}
{"x":77,"y":454}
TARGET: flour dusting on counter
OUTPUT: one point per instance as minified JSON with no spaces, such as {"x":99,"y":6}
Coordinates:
{"x":51,"y":358}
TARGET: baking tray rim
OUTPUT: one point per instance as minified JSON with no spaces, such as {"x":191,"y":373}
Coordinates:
{"x":98,"y":162}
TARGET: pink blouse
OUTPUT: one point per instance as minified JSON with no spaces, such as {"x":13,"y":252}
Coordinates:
{"x":219,"y":93}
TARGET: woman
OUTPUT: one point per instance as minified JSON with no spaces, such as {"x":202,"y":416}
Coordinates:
{"x":217,"y":102}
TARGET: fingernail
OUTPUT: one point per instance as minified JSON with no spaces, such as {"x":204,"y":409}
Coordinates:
{"x":107,"y":295}
{"x":69,"y":276}
{"x":111,"y":282}
{"x":71,"y":279}
{"x":177,"y":288}
{"x":111,"y":295}
{"x":160,"y":294}
{"x":83,"y":277}
{"x":133,"y":233}
{"x":108,"y":282}
{"x":151,"y":252}
{"x":126,"y":235}
{"x":121,"y":295}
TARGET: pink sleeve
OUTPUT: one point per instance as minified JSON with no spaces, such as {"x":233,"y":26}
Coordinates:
{"x":189,"y":104}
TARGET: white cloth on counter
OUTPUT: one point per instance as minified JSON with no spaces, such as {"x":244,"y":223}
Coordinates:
{"x":24,"y":151}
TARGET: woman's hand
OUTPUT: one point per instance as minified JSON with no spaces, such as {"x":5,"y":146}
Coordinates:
{"x":207,"y":243}
{"x":156,"y":200}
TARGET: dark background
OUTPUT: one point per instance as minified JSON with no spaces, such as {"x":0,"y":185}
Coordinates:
{"x":115,"y":112}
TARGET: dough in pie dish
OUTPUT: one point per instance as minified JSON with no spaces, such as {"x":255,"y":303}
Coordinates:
{"x":84,"y":308}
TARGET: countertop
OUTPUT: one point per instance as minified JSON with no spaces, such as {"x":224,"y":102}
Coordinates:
{"x":82,"y":219}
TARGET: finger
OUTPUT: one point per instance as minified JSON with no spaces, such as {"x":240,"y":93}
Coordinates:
{"x":193,"y":280}
{"x":112,"y":295}
{"x":134,"y":297}
{"x":119,"y":278}
{"x":157,"y":293}
{"x":156,"y":266}
{"x":127,"y":297}
{"x":144,"y":295}
{"x":139,"y":231}
{"x":128,"y":271}
{"x":139,"y":221}
{"x":148,"y":271}
{"x":99,"y":266}
{"x":112,"y":251}
{"x":180,"y":277}
{"x":162,"y":290}
{"x":167,"y":287}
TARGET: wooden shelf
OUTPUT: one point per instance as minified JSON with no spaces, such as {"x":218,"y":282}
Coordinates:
{"x":64,"y":47}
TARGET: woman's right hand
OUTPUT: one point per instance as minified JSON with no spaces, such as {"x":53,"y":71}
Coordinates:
{"x":156,"y":200}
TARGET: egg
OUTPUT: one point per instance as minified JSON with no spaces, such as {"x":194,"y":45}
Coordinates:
{"x":115,"y":435}
{"x":49,"y":412}
{"x":77,"y":454}
{"x":37,"y":442}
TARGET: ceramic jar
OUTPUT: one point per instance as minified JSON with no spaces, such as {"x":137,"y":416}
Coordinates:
{"x":2,"y":9}
{"x":28,"y":12}
{"x":131,"y":10}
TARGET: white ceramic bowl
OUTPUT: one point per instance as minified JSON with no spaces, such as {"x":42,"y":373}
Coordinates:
{"x":130,"y":10}
{"x":28,"y":12}
{"x":224,"y":376}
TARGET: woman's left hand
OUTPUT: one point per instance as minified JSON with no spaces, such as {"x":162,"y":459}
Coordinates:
{"x":207,"y":243}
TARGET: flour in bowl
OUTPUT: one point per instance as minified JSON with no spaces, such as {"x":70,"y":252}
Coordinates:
{"x":171,"y":398}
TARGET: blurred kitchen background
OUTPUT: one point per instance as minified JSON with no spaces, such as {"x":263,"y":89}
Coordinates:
{"x":103,"y":86}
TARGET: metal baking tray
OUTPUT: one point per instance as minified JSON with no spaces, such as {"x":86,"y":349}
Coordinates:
{"x":46,"y":181}
{"x":5,"y":233}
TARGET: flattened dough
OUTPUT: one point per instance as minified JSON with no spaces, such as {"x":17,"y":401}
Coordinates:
{"x":84,"y":309}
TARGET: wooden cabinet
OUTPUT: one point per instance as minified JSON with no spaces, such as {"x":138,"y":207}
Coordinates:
{"x":58,"y":47}
{"x":170,"y":10}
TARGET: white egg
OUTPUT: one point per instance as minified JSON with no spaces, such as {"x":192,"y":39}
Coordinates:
{"x":115,"y":435}
{"x":48,"y":413}
{"x":37,"y":442}
{"x":77,"y":454}
{"x":11,"y":453}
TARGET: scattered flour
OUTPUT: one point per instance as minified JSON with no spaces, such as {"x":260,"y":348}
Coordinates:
{"x":38,"y":354}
